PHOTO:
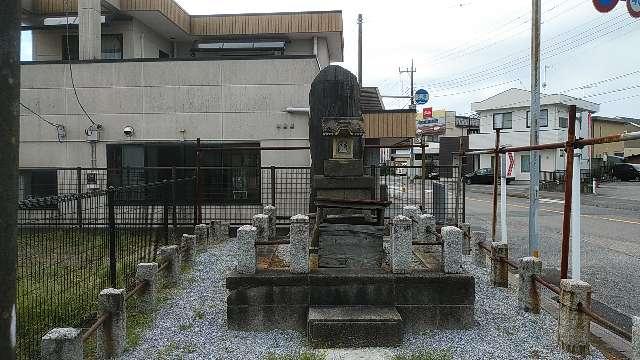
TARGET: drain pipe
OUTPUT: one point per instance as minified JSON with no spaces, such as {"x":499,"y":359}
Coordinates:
{"x":298,"y":110}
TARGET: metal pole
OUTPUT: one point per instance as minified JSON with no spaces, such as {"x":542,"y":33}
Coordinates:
{"x":423,"y":165}
{"x":503,"y":198}
{"x":197,"y":215}
{"x":568,"y":188}
{"x":273,"y":185}
{"x":9,"y":136}
{"x":413,"y":96}
{"x":360,"y":49}
{"x":534,"y":158}
{"x":575,"y":218}
{"x":174,"y":212}
{"x":112,"y":238}
{"x":79,"y":191}
{"x":495,"y":186}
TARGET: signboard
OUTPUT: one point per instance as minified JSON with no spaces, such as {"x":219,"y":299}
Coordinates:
{"x":511,"y":162}
{"x":421,"y":97}
{"x":634,"y":8}
{"x":465,"y":122}
{"x":605,"y":6}
{"x":427,"y":113}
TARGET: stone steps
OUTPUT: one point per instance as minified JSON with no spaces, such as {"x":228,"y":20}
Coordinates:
{"x":354,"y":326}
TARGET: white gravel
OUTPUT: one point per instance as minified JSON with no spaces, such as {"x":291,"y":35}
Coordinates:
{"x":192,"y":325}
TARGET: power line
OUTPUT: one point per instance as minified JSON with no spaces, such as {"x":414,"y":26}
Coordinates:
{"x":40,"y":116}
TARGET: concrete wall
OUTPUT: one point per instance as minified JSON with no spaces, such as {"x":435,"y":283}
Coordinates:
{"x":230,"y":100}
{"x":518,"y":135}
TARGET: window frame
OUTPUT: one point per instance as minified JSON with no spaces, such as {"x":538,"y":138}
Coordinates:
{"x":541,"y":111}
{"x":510,"y":113}
{"x":528,"y":162}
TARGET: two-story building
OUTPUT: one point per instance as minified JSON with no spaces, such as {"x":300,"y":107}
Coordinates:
{"x":512,"y":108}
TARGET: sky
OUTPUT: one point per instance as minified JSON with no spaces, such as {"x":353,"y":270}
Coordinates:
{"x":468,"y":50}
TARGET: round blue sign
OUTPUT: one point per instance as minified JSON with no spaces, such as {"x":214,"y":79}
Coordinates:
{"x":605,"y":5}
{"x":421,"y":97}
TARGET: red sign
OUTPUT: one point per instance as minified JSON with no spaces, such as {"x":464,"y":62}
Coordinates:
{"x":427,"y":113}
{"x":510,"y":171}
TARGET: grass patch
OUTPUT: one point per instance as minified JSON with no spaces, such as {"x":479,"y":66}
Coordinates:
{"x":305,"y":355}
{"x":425,"y":355}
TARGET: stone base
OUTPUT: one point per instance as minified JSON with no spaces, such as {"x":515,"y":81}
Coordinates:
{"x":354,"y":326}
{"x":273,"y":299}
{"x":350,"y":246}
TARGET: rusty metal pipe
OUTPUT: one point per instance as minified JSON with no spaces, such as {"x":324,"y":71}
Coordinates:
{"x":95,"y":326}
{"x":568,"y":188}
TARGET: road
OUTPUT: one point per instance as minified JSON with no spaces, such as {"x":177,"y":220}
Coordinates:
{"x":610,"y":243}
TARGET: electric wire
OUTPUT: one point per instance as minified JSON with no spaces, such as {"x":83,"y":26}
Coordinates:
{"x":39,"y":116}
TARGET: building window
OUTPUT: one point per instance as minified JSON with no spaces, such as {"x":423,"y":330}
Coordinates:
{"x":38,"y":183}
{"x":563,"y":122}
{"x":111,"y":47}
{"x":162,"y":54}
{"x":227,"y":175}
{"x":503,"y":118}
{"x":543,"y":120}
{"x":525,"y":165}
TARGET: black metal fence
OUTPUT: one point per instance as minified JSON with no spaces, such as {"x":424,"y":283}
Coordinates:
{"x":73,"y":245}
{"x":554,"y":181}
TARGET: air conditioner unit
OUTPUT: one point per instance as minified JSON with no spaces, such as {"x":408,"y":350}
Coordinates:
{"x":92,"y":180}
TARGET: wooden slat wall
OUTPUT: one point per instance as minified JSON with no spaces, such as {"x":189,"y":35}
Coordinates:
{"x":168,"y":8}
{"x":266,"y":24}
{"x":45,"y":7}
{"x":390,"y":125}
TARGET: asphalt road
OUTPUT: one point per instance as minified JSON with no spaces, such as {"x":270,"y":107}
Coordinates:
{"x":610,"y":249}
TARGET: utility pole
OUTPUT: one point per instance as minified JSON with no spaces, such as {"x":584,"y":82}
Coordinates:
{"x":534,"y":157}
{"x":360,"y":49}
{"x":9,"y":138}
{"x":411,"y":72}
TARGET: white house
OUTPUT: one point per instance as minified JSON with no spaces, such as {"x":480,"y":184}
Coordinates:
{"x":513,"y":107}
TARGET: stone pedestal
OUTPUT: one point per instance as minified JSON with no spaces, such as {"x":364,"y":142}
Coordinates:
{"x":188,"y":247}
{"x":171,"y":273}
{"x":413,"y":213}
{"x":574,"y":325}
{"x":635,"y":339}
{"x":299,"y":244}
{"x":479,"y":255}
{"x":401,"y":253}
{"x":350,"y":246}
{"x":261,"y":223}
{"x":270,"y":211}
{"x":62,"y":344}
{"x":147,"y":272}
{"x":111,"y":336}
{"x":528,"y":292}
{"x":201,"y":233}
{"x":247,"y":236}
{"x":466,"y":244}
{"x":499,"y":267}
{"x":452,"y":252}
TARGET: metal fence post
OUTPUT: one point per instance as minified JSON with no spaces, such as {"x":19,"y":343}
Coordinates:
{"x":165,"y":215}
{"x":423,"y":174}
{"x":112,"y":237}
{"x":173,"y":199}
{"x":79,"y":191}
{"x":273,"y":186}
{"x":568,"y":188}
{"x":197,"y":214}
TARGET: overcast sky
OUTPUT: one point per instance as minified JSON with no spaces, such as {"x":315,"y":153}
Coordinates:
{"x":468,"y":50}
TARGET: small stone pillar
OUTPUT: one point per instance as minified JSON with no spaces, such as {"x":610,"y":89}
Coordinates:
{"x":220,"y":231}
{"x":479,"y":256}
{"x":466,"y":243}
{"x":171,"y":273}
{"x":147,"y":272}
{"x":528,"y":291}
{"x":247,"y":236}
{"x":299,"y":244}
{"x":499,"y":267}
{"x":452,"y":250}
{"x":62,"y":344}
{"x":261,"y":223}
{"x":188,"y":247}
{"x":574,"y":325}
{"x":270,"y":211}
{"x":412,"y":212}
{"x":635,"y":339}
{"x":401,"y":238}
{"x":201,"y":233}
{"x":426,"y":228}
{"x":111,"y":335}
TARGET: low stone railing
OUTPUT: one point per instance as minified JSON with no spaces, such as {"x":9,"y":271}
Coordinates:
{"x":110,"y":326}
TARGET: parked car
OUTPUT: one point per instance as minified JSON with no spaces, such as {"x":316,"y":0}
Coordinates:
{"x":483,"y":176}
{"x":626,"y":171}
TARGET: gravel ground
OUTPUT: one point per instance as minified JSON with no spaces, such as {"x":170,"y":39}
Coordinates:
{"x":192,"y":326}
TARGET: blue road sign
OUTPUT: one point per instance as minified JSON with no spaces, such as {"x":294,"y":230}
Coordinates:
{"x":422,"y":97}
{"x":605,"y":5}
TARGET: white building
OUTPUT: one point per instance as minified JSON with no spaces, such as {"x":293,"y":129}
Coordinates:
{"x":513,"y":107}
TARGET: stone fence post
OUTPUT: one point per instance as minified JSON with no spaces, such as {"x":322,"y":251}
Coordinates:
{"x":426,"y":228}
{"x":635,"y":339}
{"x":62,"y":344}
{"x":499,"y":267}
{"x":412,"y":212}
{"x":401,"y":238}
{"x":188,"y":247}
{"x":452,"y":250}
{"x":261,"y":223}
{"x":574,"y":325}
{"x":466,"y":243}
{"x":147,"y":273}
{"x":299,"y":244}
{"x":111,"y":335}
{"x":528,"y":290}
{"x":220,"y":231}
{"x":479,"y":256}
{"x":171,"y":274}
{"x":270,"y":211}
{"x":201,"y":233}
{"x":247,"y":236}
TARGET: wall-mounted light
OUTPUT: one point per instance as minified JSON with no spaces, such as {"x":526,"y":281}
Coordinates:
{"x":128,"y":131}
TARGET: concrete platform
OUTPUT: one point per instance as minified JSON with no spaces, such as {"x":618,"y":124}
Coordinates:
{"x":354,"y":326}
